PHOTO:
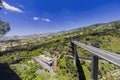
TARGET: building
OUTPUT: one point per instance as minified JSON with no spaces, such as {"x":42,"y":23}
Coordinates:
{"x":46,"y":59}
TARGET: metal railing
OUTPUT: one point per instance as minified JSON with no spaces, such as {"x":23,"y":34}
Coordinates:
{"x":96,"y":53}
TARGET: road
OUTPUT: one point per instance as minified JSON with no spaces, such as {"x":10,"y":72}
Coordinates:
{"x":111,"y":57}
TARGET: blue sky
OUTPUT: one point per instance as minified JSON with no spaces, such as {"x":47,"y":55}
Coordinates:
{"x":44,"y":16}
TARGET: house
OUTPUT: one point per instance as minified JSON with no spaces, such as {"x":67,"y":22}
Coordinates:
{"x":46,"y":59}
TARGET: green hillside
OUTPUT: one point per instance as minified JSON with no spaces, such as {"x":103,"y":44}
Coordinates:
{"x":105,"y":36}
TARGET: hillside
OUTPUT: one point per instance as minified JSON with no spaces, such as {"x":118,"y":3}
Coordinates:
{"x":105,"y":36}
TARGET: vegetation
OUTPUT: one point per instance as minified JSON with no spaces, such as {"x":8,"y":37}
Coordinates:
{"x":4,"y":27}
{"x":105,"y":36}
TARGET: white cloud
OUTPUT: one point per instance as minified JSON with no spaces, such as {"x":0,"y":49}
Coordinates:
{"x":36,"y":18}
{"x":11,"y":8}
{"x":46,"y":19}
{"x":41,"y":19}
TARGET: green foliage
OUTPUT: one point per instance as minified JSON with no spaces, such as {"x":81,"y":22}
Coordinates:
{"x":117,"y":24}
{"x":4,"y":27}
{"x":116,"y":75}
{"x":66,"y":67}
{"x":105,"y":36}
{"x":87,"y":72}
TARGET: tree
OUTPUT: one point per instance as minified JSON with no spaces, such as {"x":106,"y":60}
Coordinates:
{"x":4,"y":28}
{"x":117,"y":24}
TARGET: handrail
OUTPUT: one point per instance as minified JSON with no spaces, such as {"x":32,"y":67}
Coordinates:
{"x":96,"y":53}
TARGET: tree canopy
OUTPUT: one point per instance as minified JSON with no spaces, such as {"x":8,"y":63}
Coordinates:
{"x":4,"y":28}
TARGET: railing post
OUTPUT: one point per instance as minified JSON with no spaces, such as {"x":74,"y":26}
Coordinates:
{"x":94,"y":67}
{"x":77,"y":62}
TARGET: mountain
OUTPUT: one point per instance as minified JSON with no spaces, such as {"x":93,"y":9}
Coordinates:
{"x":20,"y":56}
